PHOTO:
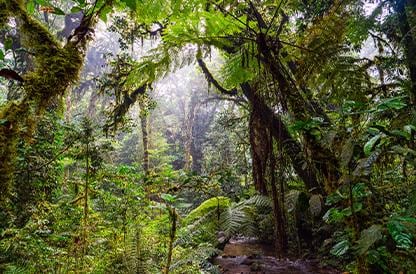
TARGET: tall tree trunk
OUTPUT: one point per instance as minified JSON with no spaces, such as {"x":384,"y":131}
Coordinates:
{"x":86,"y":186}
{"x":281,"y":243}
{"x":263,"y":159}
{"x":300,"y":163}
{"x":305,"y":170}
{"x":144,"y":125}
{"x":260,"y":149}
{"x":172,"y":234}
{"x":145,"y":140}
{"x":189,"y":124}
{"x":406,"y":11}
{"x":302,"y":108}
{"x":92,"y":106}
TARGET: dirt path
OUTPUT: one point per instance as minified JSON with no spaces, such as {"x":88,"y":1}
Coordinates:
{"x":247,"y":256}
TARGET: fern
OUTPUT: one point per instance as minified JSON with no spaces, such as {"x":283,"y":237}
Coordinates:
{"x":233,"y":219}
{"x":199,"y":227}
{"x":198,"y":256}
{"x":239,"y":218}
{"x":206,"y":207}
{"x":134,"y":254}
{"x":291,"y":200}
{"x":400,"y":232}
{"x":331,"y":78}
{"x":16,"y":269}
{"x":258,"y":201}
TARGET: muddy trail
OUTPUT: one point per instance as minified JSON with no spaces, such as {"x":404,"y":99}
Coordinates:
{"x":248,"y":256}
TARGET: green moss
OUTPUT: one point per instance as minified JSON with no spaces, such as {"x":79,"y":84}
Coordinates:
{"x":55,"y":68}
{"x":8,"y":132}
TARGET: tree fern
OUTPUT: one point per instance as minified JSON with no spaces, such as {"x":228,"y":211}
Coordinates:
{"x":238,"y":68}
{"x":238,"y":218}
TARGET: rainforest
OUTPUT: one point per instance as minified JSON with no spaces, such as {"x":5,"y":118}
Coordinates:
{"x":208,"y":136}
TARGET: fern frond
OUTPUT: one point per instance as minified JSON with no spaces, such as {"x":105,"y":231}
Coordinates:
{"x":259,"y":201}
{"x":199,"y":256}
{"x":207,"y":206}
{"x":187,"y":234}
{"x":16,"y":269}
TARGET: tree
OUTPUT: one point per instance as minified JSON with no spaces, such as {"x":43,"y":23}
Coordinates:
{"x":55,"y":68}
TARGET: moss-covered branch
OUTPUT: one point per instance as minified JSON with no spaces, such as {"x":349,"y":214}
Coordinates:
{"x":55,"y":68}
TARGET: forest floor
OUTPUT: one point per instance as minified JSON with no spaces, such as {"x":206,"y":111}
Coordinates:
{"x":249,"y":256}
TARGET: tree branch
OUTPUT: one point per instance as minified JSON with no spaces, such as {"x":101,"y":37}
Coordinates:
{"x":121,"y":109}
{"x":10,"y":75}
{"x":210,"y":78}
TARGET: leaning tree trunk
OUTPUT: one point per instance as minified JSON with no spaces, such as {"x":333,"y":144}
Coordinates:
{"x":144,"y":123}
{"x":263,"y":160}
{"x":406,"y":10}
{"x":302,"y":109}
{"x":292,"y":148}
{"x":304,"y":168}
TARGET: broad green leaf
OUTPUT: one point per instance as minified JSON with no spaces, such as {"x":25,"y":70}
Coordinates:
{"x":58,"y":11}
{"x":30,"y":7}
{"x":373,"y":130}
{"x":8,"y":44}
{"x":400,"y":234}
{"x":395,"y":103}
{"x":334,"y":198}
{"x":333,"y":215}
{"x":1,"y":55}
{"x":168,"y":197}
{"x":206,"y":206}
{"x":105,"y":12}
{"x":76,"y":9}
{"x":368,"y":147}
{"x":315,"y":132}
{"x":340,"y":248}
{"x":43,"y":2}
{"x":132,"y":4}
{"x":401,"y":133}
{"x":368,"y":237}
{"x":346,"y":212}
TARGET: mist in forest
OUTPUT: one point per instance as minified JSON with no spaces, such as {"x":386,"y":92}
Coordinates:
{"x":199,"y":136}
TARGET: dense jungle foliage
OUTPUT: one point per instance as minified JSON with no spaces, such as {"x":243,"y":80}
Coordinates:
{"x":141,"y":136}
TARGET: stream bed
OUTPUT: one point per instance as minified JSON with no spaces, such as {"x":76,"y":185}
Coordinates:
{"x":248,"y":256}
